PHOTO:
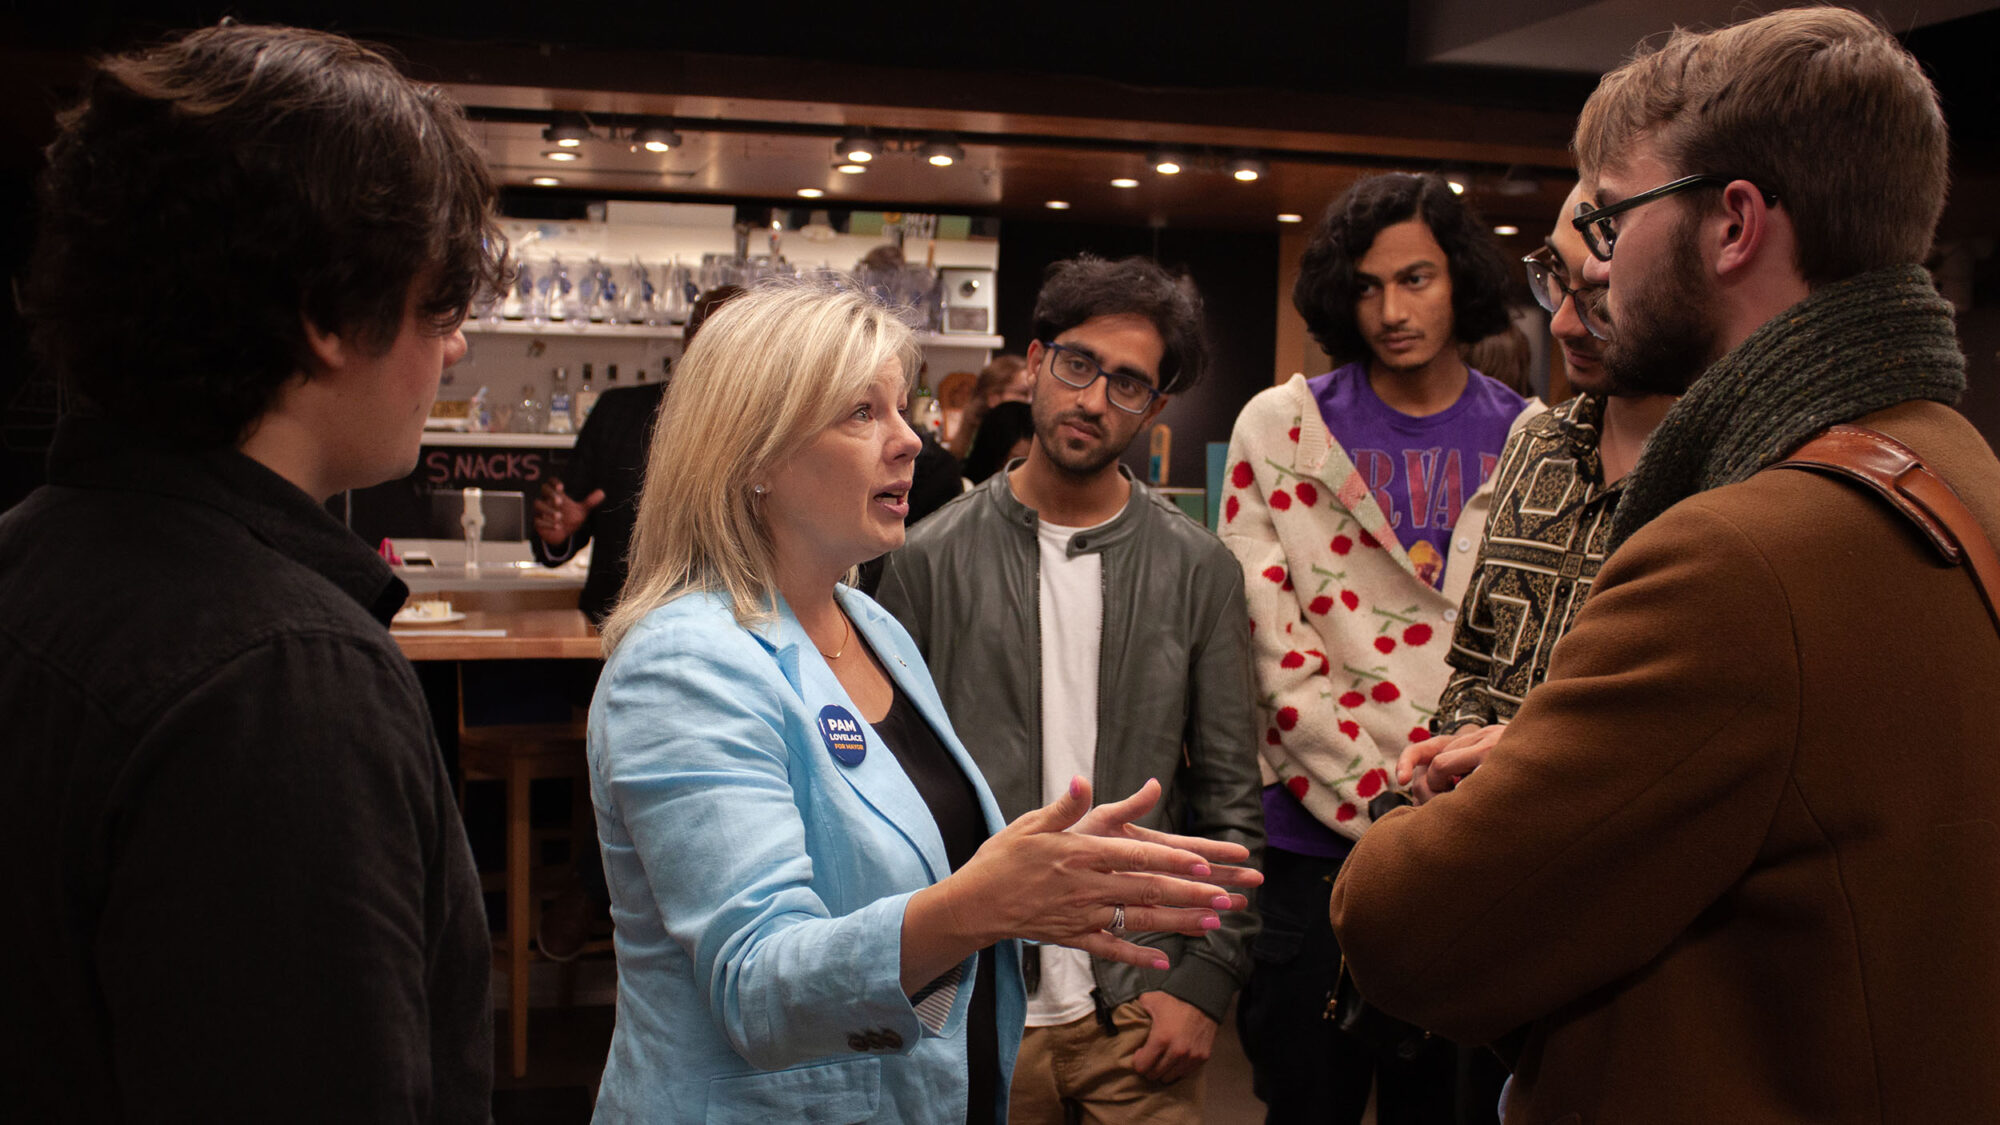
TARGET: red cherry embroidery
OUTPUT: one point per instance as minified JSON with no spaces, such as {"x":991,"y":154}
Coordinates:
{"x":1275,"y":573}
{"x":1417,"y":634}
{"x":1385,"y":692}
{"x":1419,"y":734}
{"x":1352,"y":699}
{"x":1292,"y":660}
{"x":1371,"y":782}
{"x":1229,"y":509}
{"x":1321,"y":604}
{"x":1288,"y":717}
{"x":1350,"y":599}
{"x":1350,"y":728}
{"x":1308,"y":495}
{"x":1385,"y":645}
{"x":1341,"y":544}
{"x":1345,"y":813}
{"x":1298,"y":786}
{"x":1271,"y":736}
{"x":1293,"y":433}
{"x":1286,"y":585}
{"x":1368,"y":540}
{"x":1280,"y":499}
{"x":1241,"y":476}
{"x":1323,"y":666}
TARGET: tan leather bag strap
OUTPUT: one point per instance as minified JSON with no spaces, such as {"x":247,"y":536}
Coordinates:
{"x":1898,"y":475}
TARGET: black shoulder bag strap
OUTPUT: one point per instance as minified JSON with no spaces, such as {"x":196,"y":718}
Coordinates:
{"x":1893,"y":471}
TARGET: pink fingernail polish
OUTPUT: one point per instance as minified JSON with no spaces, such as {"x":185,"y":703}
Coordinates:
{"x":1198,"y":870}
{"x":1221,"y":902}
{"x":1160,"y":963}
{"x":1211,"y":923}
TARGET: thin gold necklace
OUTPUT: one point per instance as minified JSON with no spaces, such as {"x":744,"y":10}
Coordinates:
{"x":846,"y":634}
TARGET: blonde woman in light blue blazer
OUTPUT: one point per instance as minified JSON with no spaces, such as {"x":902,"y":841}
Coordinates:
{"x":794,"y":943}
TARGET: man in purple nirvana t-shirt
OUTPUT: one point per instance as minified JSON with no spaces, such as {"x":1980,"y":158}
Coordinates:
{"x":1354,"y":502}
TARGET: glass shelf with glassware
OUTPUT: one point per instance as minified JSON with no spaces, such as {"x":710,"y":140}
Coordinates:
{"x":611,"y":330}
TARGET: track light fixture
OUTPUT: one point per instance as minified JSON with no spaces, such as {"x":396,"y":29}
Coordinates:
{"x":942,"y":152}
{"x":566,"y":133}
{"x":657,"y":138}
{"x":1165,"y":162}
{"x":857,"y":149}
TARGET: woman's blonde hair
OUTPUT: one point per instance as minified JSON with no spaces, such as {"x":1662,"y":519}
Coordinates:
{"x":769,"y":372}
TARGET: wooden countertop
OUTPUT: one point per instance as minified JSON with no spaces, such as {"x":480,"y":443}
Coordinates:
{"x":524,"y":634}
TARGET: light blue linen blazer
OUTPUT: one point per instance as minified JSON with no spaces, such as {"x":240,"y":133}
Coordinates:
{"x":758,"y":883}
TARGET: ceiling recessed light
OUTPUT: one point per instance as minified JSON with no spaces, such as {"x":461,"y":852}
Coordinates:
{"x":1057,"y":205}
{"x":1505,"y":229}
{"x":1456,"y":181}
{"x":850,"y":169}
{"x":810,"y":193}
{"x":942,"y":153}
{"x":1166,"y":163}
{"x":1288,"y":217}
{"x":545,"y":181}
{"x":856,"y":150}
{"x":657,"y":139}
{"x":1248,"y":169}
{"x":561,"y":154}
{"x":1124,"y":182}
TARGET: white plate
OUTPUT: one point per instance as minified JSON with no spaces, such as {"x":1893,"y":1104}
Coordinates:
{"x":405,"y":617}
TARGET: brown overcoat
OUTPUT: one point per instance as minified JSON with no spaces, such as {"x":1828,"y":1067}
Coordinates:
{"x":1739,"y":858}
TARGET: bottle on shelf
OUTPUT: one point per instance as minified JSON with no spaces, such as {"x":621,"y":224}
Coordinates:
{"x":528,"y":415}
{"x":586,"y":398}
{"x":559,"y":404}
{"x":925,"y":413}
{"x":610,"y":376}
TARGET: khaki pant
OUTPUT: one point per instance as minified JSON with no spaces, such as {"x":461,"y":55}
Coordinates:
{"x":1075,"y":1074}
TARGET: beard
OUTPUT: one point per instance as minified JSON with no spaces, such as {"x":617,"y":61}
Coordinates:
{"x":1062,"y":451}
{"x":1664,"y":338}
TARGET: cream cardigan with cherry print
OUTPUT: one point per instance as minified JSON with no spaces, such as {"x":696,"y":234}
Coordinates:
{"x":1348,"y":642}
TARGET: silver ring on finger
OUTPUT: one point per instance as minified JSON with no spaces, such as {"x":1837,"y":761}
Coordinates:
{"x":1117,"y":926}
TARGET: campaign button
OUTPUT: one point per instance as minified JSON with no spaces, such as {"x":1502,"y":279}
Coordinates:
{"x":842,"y":734}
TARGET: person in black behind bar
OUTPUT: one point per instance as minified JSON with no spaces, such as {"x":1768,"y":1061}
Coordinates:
{"x":599,"y":488}
{"x":243,"y":892}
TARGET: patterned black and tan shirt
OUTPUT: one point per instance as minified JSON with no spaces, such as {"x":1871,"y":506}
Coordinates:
{"x":1542,"y":550}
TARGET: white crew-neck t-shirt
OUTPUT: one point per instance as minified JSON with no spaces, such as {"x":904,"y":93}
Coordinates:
{"x":1072,"y":617}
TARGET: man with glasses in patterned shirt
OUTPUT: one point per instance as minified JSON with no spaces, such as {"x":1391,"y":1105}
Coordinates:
{"x":1554,"y":492}
{"x":1077,"y":623}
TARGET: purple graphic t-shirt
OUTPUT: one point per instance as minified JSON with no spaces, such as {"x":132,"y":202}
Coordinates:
{"x":1421,"y":470}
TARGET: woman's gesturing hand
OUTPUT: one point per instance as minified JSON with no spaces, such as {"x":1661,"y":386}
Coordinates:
{"x":1037,"y":880}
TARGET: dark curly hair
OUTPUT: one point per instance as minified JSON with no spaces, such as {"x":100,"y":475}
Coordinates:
{"x":1086,"y":287}
{"x":1325,"y":291}
{"x":212,"y":194}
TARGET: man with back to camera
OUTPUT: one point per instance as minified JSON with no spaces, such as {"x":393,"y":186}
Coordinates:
{"x":1346,"y":495}
{"x":248,"y":896}
{"x":1554,"y":493}
{"x":1735,"y":860}
{"x":1078,"y":623}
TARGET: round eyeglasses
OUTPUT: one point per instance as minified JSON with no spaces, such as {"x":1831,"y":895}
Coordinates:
{"x":1073,"y":368}
{"x":1545,"y":281}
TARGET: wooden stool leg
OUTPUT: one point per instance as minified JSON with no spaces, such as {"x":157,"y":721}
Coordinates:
{"x":519,"y":903}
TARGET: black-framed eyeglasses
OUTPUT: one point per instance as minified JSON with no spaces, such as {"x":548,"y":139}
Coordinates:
{"x":1545,"y":281}
{"x":1072,"y":368}
{"x":1595,"y":222}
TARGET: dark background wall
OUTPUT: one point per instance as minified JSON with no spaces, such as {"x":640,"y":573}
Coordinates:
{"x":1237,"y":274}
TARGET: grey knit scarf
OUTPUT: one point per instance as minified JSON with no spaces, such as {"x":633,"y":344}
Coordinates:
{"x":1851,"y":348}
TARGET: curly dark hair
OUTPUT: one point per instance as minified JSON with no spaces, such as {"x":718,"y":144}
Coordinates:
{"x":212,"y":194}
{"x":1086,"y":287}
{"x":1325,"y":291}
